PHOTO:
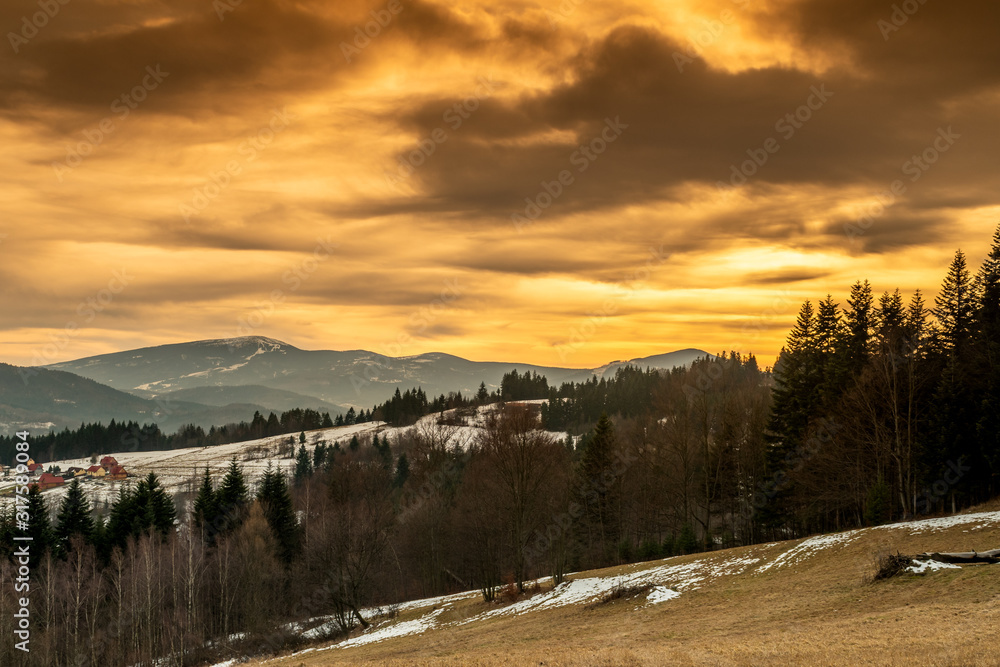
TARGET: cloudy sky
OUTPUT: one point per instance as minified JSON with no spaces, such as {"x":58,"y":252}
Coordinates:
{"x":563,"y":183}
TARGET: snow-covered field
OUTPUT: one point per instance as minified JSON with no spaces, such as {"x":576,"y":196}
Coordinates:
{"x":180,"y":470}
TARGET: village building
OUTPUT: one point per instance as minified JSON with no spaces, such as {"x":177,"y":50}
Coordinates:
{"x":48,"y":481}
{"x":96,"y":471}
{"x":117,"y":473}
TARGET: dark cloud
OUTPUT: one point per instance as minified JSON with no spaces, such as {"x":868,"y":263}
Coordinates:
{"x":698,"y":125}
{"x":784,"y":276}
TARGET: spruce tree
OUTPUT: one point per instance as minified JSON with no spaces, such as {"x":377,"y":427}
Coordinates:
{"x":955,"y":307}
{"x":319,"y":455}
{"x":119,"y":527}
{"x":402,"y":471}
{"x":956,"y":412}
{"x":39,"y":528}
{"x":303,"y":465}
{"x":859,"y":325}
{"x":154,"y":508}
{"x":74,"y":518}
{"x":276,"y":501}
{"x":592,"y":489}
{"x":205,"y":502}
{"x":988,"y":353}
{"x":232,"y":498}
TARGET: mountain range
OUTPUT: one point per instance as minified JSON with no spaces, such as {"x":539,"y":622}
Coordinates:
{"x":218,"y":381}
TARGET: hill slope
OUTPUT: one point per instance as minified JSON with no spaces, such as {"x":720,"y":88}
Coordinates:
{"x":58,"y":399}
{"x":354,"y":377}
{"x":804,"y":602}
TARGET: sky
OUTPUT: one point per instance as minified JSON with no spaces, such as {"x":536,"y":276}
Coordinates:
{"x":560,"y":183}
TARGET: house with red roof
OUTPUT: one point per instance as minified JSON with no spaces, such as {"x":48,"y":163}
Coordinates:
{"x":96,"y":471}
{"x":108,"y":462}
{"x":48,"y":481}
{"x":117,"y":473}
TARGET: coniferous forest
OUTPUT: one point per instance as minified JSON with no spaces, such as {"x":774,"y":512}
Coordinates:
{"x":883,"y":405}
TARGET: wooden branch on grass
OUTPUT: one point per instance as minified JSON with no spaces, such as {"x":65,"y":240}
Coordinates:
{"x":967,"y":557}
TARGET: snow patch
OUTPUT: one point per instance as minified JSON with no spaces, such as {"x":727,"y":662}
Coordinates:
{"x":809,"y":547}
{"x":983,"y":519}
{"x":923,"y":566}
{"x":661,"y":594}
{"x":401,"y":629}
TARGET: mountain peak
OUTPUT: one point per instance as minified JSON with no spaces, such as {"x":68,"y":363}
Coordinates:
{"x":245,"y":341}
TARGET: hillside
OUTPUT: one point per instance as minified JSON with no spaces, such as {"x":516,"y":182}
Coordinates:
{"x":219,"y":396}
{"x":179,"y":470}
{"x":58,"y":399}
{"x":803,"y":602}
{"x":355,"y":377}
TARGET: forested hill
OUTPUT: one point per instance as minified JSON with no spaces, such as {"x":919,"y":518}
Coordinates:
{"x":354,"y":377}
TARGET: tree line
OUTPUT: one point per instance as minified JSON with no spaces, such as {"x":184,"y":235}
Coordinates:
{"x":888,"y":407}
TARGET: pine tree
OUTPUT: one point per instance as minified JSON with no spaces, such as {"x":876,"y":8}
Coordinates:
{"x":232,"y":498}
{"x":593,"y":491}
{"x":303,"y":465}
{"x":153,"y":507}
{"x":276,"y":501}
{"x":859,"y":324}
{"x":319,"y":455}
{"x":205,"y":503}
{"x":39,"y":528}
{"x":482,"y":396}
{"x":988,"y":353}
{"x":302,"y":438}
{"x":956,"y":412}
{"x":74,"y":518}
{"x":954,"y":307}
{"x":119,"y":527}
{"x":402,"y":471}
{"x":795,"y":404}
{"x":355,"y":443}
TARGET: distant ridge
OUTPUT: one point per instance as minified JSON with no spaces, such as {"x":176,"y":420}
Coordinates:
{"x":356,"y":377}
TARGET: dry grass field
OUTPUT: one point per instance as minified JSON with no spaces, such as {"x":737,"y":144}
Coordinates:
{"x":808,"y":607}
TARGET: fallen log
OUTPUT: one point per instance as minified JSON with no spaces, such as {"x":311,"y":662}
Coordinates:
{"x":992,"y":556}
